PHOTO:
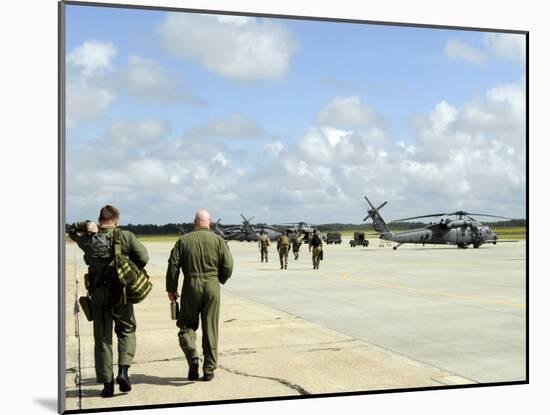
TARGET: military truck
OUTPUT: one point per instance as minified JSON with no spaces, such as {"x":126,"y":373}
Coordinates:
{"x":333,"y":238}
{"x":359,"y":239}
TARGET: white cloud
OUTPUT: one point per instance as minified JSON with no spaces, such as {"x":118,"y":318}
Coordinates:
{"x":506,"y":45}
{"x":469,"y":156}
{"x":85,"y":102}
{"x":151,"y":177}
{"x":244,"y":49}
{"x":334,"y":135}
{"x":348,"y":112}
{"x":457,"y":50}
{"x":87,"y":95}
{"x":236,"y":20}
{"x":93,"y":57}
{"x":503,"y":45}
{"x":233,"y":126}
{"x":499,"y":116}
{"x":146,"y":79}
{"x":410,"y":149}
{"x":511,"y":96}
{"x":220,"y":158}
{"x":315,"y":146}
{"x":93,"y":82}
{"x":442,"y":116}
{"x":274,"y":148}
{"x":138,"y":133}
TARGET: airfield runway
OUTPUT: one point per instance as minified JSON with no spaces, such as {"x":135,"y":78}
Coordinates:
{"x":370,"y":318}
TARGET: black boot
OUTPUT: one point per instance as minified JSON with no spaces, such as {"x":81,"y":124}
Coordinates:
{"x":108,"y":389}
{"x":123,"y":379}
{"x":193,"y":369}
{"x":208,"y":376}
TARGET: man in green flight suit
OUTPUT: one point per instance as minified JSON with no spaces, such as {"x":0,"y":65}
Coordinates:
{"x":206,"y":262}
{"x":316,"y":248}
{"x":107,"y":309}
{"x":263,"y":244}
{"x":296,"y":242}
{"x":283,"y":245}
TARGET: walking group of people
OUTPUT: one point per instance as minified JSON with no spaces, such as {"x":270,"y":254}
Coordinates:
{"x":291,"y":239}
{"x":206,"y":263}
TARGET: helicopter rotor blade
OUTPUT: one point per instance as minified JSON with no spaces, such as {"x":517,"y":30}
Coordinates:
{"x":419,"y":217}
{"x":368,"y":201}
{"x":489,"y":216}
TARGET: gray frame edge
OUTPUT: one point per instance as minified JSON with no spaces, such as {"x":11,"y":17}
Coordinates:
{"x":61,"y":282}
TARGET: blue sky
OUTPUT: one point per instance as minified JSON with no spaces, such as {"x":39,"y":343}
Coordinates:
{"x":319,"y":112}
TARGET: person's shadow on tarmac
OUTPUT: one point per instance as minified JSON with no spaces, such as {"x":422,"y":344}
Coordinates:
{"x":157,"y":380}
{"x":136,"y":380}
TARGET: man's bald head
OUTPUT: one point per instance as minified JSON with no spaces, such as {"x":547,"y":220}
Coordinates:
{"x":202,"y":218}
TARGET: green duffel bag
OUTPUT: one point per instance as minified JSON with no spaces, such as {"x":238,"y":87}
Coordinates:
{"x":135,"y":282}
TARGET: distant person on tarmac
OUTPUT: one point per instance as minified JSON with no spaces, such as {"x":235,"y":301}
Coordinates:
{"x":107,"y":307}
{"x":283,"y":245}
{"x":316,"y":249}
{"x":206,"y":262}
{"x":263,"y":244}
{"x":296,"y":242}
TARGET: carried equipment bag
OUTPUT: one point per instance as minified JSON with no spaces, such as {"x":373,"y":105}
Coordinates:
{"x":135,"y":282}
{"x":86,"y":307}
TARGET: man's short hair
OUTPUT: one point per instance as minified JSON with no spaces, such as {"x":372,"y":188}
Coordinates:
{"x":109,"y":213}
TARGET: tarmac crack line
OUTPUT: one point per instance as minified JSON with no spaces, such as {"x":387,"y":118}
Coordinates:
{"x":283,"y":382}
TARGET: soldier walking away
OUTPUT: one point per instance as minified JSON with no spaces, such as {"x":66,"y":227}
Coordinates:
{"x":316,"y":249}
{"x":283,"y":245}
{"x":206,"y":262}
{"x":296,"y":242}
{"x":107,"y":307}
{"x":263,"y":243}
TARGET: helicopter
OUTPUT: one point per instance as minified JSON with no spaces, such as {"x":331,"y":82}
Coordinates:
{"x":246,"y":231}
{"x":462,"y":230}
{"x":306,"y":229}
{"x":216,"y":227}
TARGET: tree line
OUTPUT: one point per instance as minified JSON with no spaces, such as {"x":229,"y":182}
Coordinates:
{"x":180,"y":228}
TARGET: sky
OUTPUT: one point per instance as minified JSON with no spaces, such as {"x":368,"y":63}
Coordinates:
{"x":289,"y":120}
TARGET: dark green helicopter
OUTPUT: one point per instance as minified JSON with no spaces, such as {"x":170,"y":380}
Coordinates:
{"x":245,"y":232}
{"x":461,"y":231}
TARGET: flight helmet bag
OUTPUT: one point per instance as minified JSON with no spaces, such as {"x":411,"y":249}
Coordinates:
{"x":135,"y":282}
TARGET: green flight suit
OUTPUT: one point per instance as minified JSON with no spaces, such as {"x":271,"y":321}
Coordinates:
{"x":264,"y":243}
{"x":316,"y":252}
{"x":206,"y":262}
{"x":296,"y":243}
{"x":107,"y":309}
{"x":283,"y":245}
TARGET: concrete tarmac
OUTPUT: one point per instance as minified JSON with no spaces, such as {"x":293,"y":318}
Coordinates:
{"x":369,"y":319}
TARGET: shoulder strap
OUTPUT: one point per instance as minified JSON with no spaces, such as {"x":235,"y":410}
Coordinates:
{"x":116,"y":241}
